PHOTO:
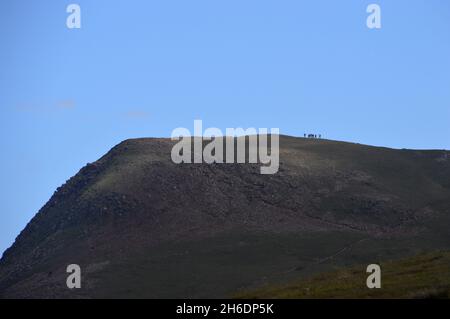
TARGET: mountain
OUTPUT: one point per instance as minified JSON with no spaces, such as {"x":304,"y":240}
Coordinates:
{"x":141,"y":226}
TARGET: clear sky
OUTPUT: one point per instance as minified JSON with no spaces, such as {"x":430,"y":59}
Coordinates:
{"x":143,"y":68}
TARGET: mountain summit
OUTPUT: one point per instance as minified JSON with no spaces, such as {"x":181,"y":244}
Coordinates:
{"x":142,"y":226}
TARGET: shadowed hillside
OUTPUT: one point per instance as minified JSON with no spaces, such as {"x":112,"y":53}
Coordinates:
{"x":142,"y":226}
{"x":423,"y":276}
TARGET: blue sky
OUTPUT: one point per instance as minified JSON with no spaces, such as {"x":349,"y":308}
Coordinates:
{"x":143,"y":68}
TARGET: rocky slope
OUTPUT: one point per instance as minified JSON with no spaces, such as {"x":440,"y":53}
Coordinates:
{"x":142,"y":226}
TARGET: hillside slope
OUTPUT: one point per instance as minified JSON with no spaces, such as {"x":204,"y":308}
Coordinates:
{"x":142,"y":226}
{"x":423,"y":276}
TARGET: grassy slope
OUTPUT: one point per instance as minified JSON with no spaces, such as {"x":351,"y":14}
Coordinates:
{"x":422,"y":276}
